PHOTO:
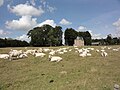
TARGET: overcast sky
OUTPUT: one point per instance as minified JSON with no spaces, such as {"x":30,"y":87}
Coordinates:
{"x":100,"y":17}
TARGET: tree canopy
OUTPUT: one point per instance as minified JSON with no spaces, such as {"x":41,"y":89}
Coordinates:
{"x":71,"y":35}
{"x":86,"y":36}
{"x":12,"y":43}
{"x":46,"y":35}
{"x":109,"y":40}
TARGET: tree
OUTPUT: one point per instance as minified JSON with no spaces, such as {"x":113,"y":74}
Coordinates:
{"x":46,"y":35}
{"x":115,"y":40}
{"x":86,"y":36}
{"x":34,"y":34}
{"x":58,"y":35}
{"x":70,"y":36}
{"x":109,"y":39}
{"x":12,"y":43}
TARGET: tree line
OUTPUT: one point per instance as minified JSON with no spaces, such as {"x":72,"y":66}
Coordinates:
{"x":47,"y":35}
{"x":12,"y":43}
{"x":109,"y":40}
{"x":71,"y":35}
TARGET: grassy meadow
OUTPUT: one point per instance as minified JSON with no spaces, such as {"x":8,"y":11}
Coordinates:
{"x":72,"y":73}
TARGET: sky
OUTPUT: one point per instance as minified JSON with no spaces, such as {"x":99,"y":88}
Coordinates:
{"x":99,"y":17}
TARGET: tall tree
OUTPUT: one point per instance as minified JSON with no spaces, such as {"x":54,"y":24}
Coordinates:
{"x":37,"y":37}
{"x":46,"y":35}
{"x":109,"y":39}
{"x":58,"y":35}
{"x":86,"y":36}
{"x":70,"y":36}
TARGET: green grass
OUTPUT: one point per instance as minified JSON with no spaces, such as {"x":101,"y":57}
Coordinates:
{"x":89,"y":73}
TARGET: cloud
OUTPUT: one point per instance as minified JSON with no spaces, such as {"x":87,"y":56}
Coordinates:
{"x":23,"y":37}
{"x":117,"y":25}
{"x":51,"y":9}
{"x":65,"y":22}
{"x":1,"y":2}
{"x":2,"y":32}
{"x":82,"y":28}
{"x":43,"y":2}
{"x":24,"y":23}
{"x":32,"y":2}
{"x":49,"y":22}
{"x":26,"y":9}
{"x":94,"y":35}
{"x":47,"y":7}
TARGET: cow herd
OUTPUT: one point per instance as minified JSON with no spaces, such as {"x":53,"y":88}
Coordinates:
{"x":54,"y":54}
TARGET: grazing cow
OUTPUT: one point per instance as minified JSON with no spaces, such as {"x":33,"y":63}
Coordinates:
{"x":104,"y":54}
{"x":61,"y":52}
{"x":4,"y":56}
{"x":54,"y":58}
{"x":23,"y":55}
{"x":52,"y":53}
{"x":115,"y":49}
{"x":82,"y":54}
{"x":97,"y":50}
{"x":15,"y":53}
{"x":89,"y":54}
{"x":39,"y":54}
{"x":46,"y":49}
{"x":30,"y":51}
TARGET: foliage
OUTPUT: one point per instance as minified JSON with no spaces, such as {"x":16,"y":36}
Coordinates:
{"x":71,"y":34}
{"x":46,"y":36}
{"x":108,"y":41}
{"x":12,"y":43}
{"x":86,"y":36}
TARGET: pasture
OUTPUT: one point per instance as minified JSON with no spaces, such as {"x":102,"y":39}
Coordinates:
{"x":72,"y":73}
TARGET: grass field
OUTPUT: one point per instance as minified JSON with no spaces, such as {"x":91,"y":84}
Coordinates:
{"x":73,"y":73}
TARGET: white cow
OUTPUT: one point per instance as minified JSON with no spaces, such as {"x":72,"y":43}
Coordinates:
{"x":39,"y":54}
{"x":4,"y":56}
{"x":30,"y":51}
{"x":83,"y":55}
{"x":97,"y":50}
{"x":104,"y":54}
{"x":15,"y":53}
{"x":52,"y":53}
{"x":89,"y":54}
{"x":54,"y":58}
{"x":61,"y":52}
{"x":23,"y":55}
{"x":46,"y":49}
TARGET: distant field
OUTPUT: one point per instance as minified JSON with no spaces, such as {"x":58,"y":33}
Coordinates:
{"x":73,"y":73}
